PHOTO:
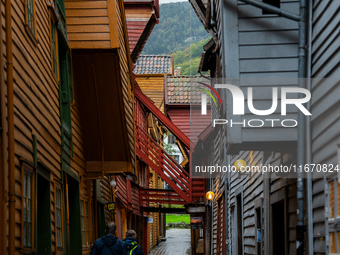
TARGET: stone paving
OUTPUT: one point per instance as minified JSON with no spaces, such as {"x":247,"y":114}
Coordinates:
{"x":177,"y":243}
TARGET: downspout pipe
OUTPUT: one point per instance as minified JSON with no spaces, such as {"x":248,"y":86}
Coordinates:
{"x":301,"y":149}
{"x":273,"y":9}
{"x":309,"y":157}
{"x":10,"y":116}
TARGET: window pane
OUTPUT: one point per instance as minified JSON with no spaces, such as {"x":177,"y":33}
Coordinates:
{"x":29,"y":236}
{"x":59,"y":219}
{"x":27,"y":210}
{"x":30,"y":15}
{"x":331,"y":199}
{"x":92,"y":238}
{"x":332,"y":242}
{"x":82,"y":220}
{"x":338,"y":199}
{"x":338,"y":237}
{"x":54,"y":49}
{"x":86,"y":224}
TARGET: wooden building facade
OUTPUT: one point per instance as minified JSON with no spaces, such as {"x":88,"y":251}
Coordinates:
{"x":70,"y":59}
{"x":150,"y":72}
{"x":256,"y":213}
{"x":325,"y":141}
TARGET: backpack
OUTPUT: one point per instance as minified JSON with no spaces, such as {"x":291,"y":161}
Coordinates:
{"x":131,"y":249}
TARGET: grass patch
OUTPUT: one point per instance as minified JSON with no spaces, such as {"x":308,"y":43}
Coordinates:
{"x":177,"y":218}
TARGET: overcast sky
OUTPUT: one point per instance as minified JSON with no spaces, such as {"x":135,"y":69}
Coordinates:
{"x":170,"y":1}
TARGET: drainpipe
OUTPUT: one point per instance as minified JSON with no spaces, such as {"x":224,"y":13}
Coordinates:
{"x":308,"y":136}
{"x":10,"y":114}
{"x":226,"y":203}
{"x":300,"y":227}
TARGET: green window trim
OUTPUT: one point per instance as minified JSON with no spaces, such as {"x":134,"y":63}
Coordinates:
{"x":82,"y":222}
{"x":28,"y":228}
{"x":87,"y":224}
{"x":60,"y":4}
{"x":59,"y":221}
{"x":30,"y":15}
{"x":54,"y":49}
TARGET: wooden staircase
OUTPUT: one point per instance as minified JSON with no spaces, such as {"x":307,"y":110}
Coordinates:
{"x":184,"y":189}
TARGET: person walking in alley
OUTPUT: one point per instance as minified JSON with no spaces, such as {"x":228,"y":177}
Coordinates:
{"x":131,"y":243}
{"x":109,"y":244}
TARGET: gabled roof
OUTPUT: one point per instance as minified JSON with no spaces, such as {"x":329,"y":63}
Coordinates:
{"x":141,"y":17}
{"x":184,"y":90}
{"x":153,"y":64}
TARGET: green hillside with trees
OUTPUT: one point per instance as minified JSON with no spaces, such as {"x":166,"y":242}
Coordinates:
{"x":178,"y":27}
{"x":189,"y":59}
{"x":180,"y":32}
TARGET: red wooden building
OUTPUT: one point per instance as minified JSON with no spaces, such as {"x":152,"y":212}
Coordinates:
{"x":182,"y":101}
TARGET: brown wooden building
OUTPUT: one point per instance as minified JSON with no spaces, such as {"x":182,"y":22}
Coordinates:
{"x":75,"y":130}
{"x":70,"y":128}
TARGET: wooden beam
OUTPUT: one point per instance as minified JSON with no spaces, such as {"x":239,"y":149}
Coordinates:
{"x":110,"y":167}
{"x":164,"y":210}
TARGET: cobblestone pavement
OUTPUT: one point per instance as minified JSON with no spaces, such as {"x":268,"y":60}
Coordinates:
{"x":177,"y":243}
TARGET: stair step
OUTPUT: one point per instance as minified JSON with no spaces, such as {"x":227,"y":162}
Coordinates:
{"x":197,"y":188}
{"x":198,"y":194}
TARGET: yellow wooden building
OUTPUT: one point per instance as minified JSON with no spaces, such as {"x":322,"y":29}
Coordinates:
{"x":151,"y":72}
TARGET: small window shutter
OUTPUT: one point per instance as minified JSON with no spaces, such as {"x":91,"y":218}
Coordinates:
{"x":61,"y":5}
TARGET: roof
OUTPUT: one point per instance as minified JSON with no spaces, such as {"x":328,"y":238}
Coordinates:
{"x":184,"y":89}
{"x":153,"y":64}
{"x":141,"y":17}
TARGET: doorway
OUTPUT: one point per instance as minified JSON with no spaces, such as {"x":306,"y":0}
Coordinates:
{"x":73,"y":215}
{"x":278,"y":229}
{"x":43,"y":215}
{"x":239,"y":222}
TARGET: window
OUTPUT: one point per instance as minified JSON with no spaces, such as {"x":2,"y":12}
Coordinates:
{"x":172,"y":139}
{"x":84,"y":223}
{"x":60,"y":6}
{"x":239,"y":223}
{"x":30,"y":19}
{"x":54,"y":49}
{"x":258,"y":230}
{"x":333,"y":208}
{"x":87,"y":224}
{"x":59,"y":219}
{"x":275,"y":3}
{"x":92,"y":237}
{"x":28,"y":209}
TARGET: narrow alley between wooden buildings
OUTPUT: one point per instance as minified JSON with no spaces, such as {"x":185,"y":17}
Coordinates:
{"x":177,"y":243}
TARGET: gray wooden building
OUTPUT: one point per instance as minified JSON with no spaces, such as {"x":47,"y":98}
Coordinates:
{"x":259,"y":47}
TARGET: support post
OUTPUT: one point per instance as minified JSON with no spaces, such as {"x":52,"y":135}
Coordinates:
{"x":308,"y":137}
{"x":300,"y":227}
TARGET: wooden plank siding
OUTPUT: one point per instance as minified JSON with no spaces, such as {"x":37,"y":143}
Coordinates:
{"x":37,"y":107}
{"x":91,"y":24}
{"x":153,"y":87}
{"x":261,"y":47}
{"x":251,"y":188}
{"x":36,"y":104}
{"x":126,"y":77}
{"x":324,"y":107}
